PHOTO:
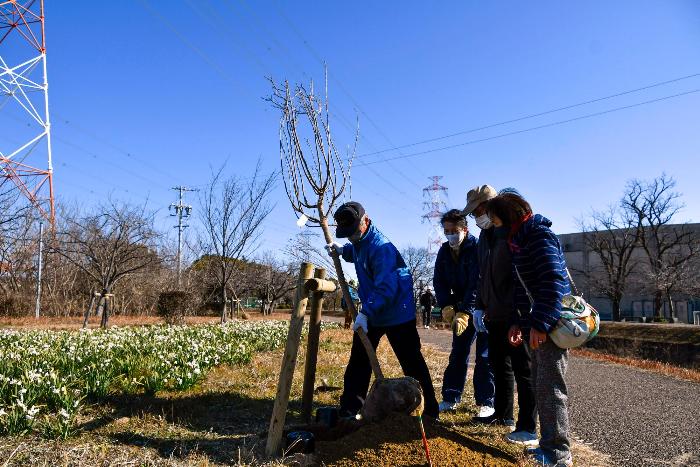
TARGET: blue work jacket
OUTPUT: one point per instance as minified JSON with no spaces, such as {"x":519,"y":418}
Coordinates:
{"x":386,"y":285}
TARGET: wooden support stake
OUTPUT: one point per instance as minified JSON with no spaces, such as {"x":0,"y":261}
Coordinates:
{"x":320,"y":285}
{"x":307,"y":394}
{"x":284,"y":385}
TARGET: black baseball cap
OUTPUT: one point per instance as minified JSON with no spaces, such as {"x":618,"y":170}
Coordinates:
{"x":348,"y":217}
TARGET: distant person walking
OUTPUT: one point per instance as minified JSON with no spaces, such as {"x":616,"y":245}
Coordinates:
{"x":352,"y":289}
{"x":427,"y":302}
{"x":455,"y":281}
{"x":495,"y":296}
{"x":540,"y":273}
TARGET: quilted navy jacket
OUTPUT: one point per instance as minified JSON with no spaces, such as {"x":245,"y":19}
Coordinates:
{"x":538,"y":257}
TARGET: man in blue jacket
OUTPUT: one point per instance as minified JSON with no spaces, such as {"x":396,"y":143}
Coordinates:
{"x":386,"y":292}
{"x":455,"y":281}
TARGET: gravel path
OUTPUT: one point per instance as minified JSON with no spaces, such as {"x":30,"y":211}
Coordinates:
{"x":637,"y":417}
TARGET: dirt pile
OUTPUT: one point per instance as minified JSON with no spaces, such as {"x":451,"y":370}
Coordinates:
{"x":396,"y":441}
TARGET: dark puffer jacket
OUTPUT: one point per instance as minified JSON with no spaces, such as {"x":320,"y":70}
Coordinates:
{"x":495,"y":293}
{"x":455,"y":281}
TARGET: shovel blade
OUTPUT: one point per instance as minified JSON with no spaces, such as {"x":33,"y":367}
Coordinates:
{"x":390,"y":395}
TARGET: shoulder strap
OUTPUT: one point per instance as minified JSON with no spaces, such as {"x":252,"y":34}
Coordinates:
{"x":527,"y":291}
{"x":574,"y":289}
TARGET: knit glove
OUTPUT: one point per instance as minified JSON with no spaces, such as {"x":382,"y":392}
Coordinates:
{"x":337,"y":247}
{"x":461,"y":323}
{"x":448,"y":314}
{"x":360,"y":322}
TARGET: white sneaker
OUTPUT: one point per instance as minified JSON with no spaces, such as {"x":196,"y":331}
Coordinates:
{"x":427,"y":327}
{"x":485,"y":411}
{"x":447,"y":406}
{"x":525,"y":438}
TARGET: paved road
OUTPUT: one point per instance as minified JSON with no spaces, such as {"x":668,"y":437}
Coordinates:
{"x":639,"y":418}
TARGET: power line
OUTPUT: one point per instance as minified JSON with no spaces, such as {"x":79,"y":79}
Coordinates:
{"x":539,"y":127}
{"x":215,"y":66}
{"x":526,"y":117}
{"x":115,"y":147}
{"x":343,"y":89}
{"x":223,"y":26}
{"x":96,"y":155}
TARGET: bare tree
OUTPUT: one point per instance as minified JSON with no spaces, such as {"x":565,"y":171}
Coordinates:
{"x":668,"y":248}
{"x":275,"y":280}
{"x":612,"y":235}
{"x":314,"y":172}
{"x":18,"y":248}
{"x":232,"y":211}
{"x":421,"y":264}
{"x":113,"y":242}
{"x":305,"y":247}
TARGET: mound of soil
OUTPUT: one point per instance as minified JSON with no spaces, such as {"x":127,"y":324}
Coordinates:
{"x":396,"y":441}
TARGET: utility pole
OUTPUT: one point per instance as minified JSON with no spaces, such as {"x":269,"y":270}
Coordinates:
{"x":182,"y":211}
{"x":40,"y":264}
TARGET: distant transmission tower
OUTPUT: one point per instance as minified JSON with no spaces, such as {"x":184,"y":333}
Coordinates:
{"x":24,"y":88}
{"x":435,"y":207}
{"x":182,"y":211}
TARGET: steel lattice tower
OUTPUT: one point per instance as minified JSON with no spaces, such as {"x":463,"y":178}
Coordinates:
{"x":24,"y":90}
{"x":435,"y":208}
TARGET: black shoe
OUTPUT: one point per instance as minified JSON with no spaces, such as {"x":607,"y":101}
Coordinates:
{"x":491,"y":420}
{"x":348,"y":414}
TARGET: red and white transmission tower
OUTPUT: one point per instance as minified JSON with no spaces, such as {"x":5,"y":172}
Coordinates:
{"x":24,"y":98}
{"x":435,"y":208}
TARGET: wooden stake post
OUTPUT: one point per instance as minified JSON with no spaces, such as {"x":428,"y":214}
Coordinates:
{"x":307,"y":397}
{"x":284,"y":386}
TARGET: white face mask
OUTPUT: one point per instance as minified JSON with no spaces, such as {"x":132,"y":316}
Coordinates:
{"x":357,"y":236}
{"x":456,"y":240}
{"x":484,"y":222}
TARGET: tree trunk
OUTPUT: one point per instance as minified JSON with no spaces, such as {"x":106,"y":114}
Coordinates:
{"x":658,"y":305}
{"x":89,"y":309}
{"x":105,"y":312}
{"x":671,"y":307}
{"x":224,"y":308}
{"x":616,"y":310}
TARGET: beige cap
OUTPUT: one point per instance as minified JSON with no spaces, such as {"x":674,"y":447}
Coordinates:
{"x":478,"y":195}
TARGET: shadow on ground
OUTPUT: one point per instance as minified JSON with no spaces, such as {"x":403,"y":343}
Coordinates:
{"x":227,"y":413}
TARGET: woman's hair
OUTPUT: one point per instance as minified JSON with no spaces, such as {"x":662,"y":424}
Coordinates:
{"x":508,"y":207}
{"x":455,"y":216}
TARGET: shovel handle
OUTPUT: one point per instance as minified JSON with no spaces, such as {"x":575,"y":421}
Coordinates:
{"x":371,"y":354}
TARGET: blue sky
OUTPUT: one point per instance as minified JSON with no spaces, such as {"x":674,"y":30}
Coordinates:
{"x":148,"y":94}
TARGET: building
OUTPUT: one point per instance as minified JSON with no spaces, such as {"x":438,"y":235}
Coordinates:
{"x":638,"y":302}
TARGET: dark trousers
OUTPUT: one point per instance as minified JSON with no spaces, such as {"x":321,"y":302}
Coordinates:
{"x":427,"y":310}
{"x":511,"y":364}
{"x":405,"y":342}
{"x":455,"y":376}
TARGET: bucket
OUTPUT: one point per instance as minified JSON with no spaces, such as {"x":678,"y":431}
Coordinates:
{"x":327,"y":416}
{"x":300,"y":442}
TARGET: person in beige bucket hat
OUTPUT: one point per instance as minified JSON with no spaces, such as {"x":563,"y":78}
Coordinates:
{"x":495,"y":303}
{"x":477,"y":196}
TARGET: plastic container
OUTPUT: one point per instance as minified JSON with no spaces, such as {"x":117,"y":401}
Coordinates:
{"x":302,"y":442}
{"x":327,"y":416}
